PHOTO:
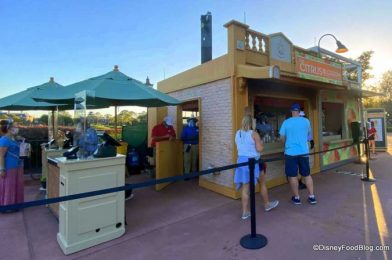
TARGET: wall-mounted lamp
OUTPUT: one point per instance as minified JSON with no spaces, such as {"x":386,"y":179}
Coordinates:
{"x":341,"y":48}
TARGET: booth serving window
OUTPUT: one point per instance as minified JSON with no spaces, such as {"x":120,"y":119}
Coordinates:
{"x":332,"y":119}
{"x":190,"y":109}
{"x":270,"y":114}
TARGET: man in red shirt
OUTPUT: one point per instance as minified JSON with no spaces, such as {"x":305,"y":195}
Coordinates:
{"x":162,"y":132}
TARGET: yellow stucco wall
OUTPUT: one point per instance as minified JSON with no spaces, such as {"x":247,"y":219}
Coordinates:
{"x":204,"y":73}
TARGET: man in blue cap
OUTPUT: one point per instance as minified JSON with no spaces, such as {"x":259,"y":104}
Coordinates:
{"x":294,"y":133}
{"x":190,"y":137}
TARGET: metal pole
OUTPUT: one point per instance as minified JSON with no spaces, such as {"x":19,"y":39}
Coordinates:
{"x":367,"y":151}
{"x":253,"y":241}
{"x":115,"y":122}
{"x":252,"y":197}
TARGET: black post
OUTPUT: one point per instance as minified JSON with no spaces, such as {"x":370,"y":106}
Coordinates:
{"x":359,"y":152}
{"x":252,"y":197}
{"x":253,"y":241}
{"x":367,"y":151}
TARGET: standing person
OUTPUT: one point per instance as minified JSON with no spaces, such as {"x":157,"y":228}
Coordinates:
{"x":190,"y":137}
{"x":302,"y":185}
{"x":162,"y":132}
{"x":294,"y":133}
{"x":11,"y":167}
{"x":249,"y":145}
{"x":372,"y":135}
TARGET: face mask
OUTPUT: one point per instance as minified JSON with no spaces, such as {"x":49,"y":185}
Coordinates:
{"x":14,"y":131}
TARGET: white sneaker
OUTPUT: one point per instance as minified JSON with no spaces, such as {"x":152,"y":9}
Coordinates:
{"x":245,"y":215}
{"x":129,"y":197}
{"x":273,"y":204}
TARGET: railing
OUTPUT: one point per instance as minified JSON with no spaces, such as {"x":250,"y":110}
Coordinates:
{"x":256,"y":41}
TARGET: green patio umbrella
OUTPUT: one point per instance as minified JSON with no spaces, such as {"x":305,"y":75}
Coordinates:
{"x":111,"y":89}
{"x":23,"y":100}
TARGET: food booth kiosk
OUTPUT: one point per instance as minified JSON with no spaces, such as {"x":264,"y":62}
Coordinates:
{"x":262,"y":75}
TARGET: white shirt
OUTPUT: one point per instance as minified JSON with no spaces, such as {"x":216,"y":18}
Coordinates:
{"x":246,"y":145}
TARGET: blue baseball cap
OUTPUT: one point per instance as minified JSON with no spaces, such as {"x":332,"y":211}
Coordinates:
{"x":295,"y":107}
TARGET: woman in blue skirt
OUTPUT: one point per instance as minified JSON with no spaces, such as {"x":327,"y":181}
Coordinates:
{"x":249,"y":145}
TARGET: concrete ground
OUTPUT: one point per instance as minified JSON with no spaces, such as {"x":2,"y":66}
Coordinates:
{"x":185,"y":221}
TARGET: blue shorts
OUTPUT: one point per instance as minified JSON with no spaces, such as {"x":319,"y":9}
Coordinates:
{"x":292,"y":165}
{"x":241,"y":174}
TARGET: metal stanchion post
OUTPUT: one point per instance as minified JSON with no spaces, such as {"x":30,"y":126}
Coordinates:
{"x":367,"y":151}
{"x":359,"y":161}
{"x":253,"y":241}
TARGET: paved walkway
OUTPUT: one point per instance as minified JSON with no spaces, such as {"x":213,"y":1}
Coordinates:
{"x":200,"y":224}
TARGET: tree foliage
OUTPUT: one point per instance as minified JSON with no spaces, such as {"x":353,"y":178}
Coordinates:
{"x":142,"y":117}
{"x":364,"y":59}
{"x":43,"y":119}
{"x":385,"y":86}
{"x":65,"y":119}
{"x":126,"y":117}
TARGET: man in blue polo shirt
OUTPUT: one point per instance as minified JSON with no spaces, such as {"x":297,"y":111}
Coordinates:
{"x":190,"y":137}
{"x":294,"y":133}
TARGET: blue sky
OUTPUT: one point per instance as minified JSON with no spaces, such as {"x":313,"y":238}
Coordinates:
{"x":75,"y":40}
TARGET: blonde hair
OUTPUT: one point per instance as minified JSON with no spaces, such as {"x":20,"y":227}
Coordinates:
{"x":247,"y":123}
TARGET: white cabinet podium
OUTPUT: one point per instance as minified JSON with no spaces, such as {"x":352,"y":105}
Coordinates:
{"x":90,"y":221}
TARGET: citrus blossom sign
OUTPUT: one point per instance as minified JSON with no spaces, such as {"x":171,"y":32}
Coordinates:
{"x":313,"y":68}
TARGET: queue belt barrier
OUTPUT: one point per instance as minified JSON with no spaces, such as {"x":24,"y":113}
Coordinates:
{"x":257,"y":241}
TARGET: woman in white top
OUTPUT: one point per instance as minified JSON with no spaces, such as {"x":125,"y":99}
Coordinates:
{"x":249,"y":145}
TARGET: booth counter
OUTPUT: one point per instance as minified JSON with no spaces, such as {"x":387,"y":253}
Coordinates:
{"x":90,"y":221}
{"x":46,"y":153}
{"x":52,"y":179}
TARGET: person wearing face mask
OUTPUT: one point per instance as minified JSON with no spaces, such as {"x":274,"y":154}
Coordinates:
{"x":249,"y":145}
{"x":162,"y":132}
{"x":11,"y":167}
{"x":190,"y":137}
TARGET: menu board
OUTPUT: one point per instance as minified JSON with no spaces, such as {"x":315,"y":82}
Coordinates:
{"x":377,"y":116}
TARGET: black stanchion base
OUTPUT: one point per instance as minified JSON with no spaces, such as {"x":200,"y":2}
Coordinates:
{"x":368,"y":179}
{"x":249,"y":242}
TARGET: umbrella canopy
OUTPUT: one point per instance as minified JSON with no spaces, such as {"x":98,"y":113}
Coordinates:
{"x":111,"y":89}
{"x":23,"y":100}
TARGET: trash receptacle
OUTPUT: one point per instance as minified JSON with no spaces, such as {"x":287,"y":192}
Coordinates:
{"x":135,"y":135}
{"x":123,"y":148}
{"x":356,"y":131}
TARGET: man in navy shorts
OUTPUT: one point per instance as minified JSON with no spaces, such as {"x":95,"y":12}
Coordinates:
{"x":294,"y":133}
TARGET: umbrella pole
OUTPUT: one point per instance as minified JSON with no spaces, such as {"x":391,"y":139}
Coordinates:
{"x":115,"y":121}
{"x":54,"y":134}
